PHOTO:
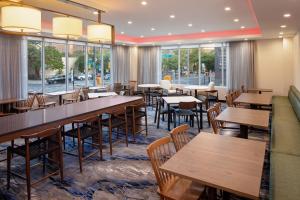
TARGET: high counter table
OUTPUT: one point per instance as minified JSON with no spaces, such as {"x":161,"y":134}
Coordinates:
{"x":12,"y":127}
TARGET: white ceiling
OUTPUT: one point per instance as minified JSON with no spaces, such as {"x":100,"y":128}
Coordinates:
{"x":203,"y":14}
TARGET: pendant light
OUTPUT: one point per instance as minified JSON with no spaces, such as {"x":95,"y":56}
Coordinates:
{"x":100,"y":33}
{"x":21,"y":19}
{"x":67,"y":27}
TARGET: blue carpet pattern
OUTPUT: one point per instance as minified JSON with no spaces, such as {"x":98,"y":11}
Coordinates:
{"x":127,"y":175}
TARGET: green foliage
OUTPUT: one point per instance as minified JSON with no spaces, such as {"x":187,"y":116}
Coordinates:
{"x":79,"y":63}
{"x":53,"y":59}
{"x":208,"y":59}
{"x":170,"y":62}
{"x":34,"y":60}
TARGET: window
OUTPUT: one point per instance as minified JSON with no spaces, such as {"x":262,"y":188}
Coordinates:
{"x":35,"y":73}
{"x":58,"y":65}
{"x":198,"y":65}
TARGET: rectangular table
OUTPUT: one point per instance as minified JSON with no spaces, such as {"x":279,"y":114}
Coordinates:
{"x":245,"y":117}
{"x":175,"y":100}
{"x":101,"y":94}
{"x":254,"y":99}
{"x":12,"y":127}
{"x":231,"y":164}
{"x":60,"y":94}
{"x":259,"y":90}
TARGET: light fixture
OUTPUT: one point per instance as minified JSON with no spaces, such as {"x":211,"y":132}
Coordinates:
{"x":21,"y":19}
{"x":99,"y":33}
{"x":280,"y":33}
{"x":246,"y":39}
{"x":210,"y":41}
{"x":169,"y":33}
{"x":122,"y":33}
{"x":142,"y":36}
{"x":190,"y":25}
{"x":172,"y":16}
{"x":243,"y":27}
{"x":129,"y":22}
{"x":67,"y":27}
{"x":236,"y":20}
{"x":227,"y":9}
{"x":283,"y":26}
{"x":287,"y":15}
{"x":95,"y":13}
{"x":203,"y":31}
{"x":153,"y":29}
{"x":280,"y":36}
{"x":144,"y":3}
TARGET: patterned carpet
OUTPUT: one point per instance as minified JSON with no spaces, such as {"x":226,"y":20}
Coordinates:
{"x":127,"y":175}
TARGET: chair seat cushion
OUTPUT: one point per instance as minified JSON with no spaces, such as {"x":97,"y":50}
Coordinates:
{"x":182,"y":189}
{"x":184,"y":112}
{"x":37,"y":148}
{"x":85,"y":132}
{"x":285,"y":176}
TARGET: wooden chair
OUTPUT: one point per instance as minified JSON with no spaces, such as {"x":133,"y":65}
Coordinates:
{"x":243,"y":90}
{"x":85,"y":93}
{"x":170,"y":186}
{"x":161,"y":110}
{"x":37,"y":145}
{"x":135,"y":113}
{"x":86,"y":128}
{"x":132,"y":88}
{"x":229,"y":100}
{"x":117,"y":88}
{"x":180,"y":136}
{"x":203,"y":96}
{"x":223,"y":124}
{"x":42,"y":103}
{"x":187,"y":109}
{"x":25,"y":105}
{"x":116,"y":119}
{"x":74,"y":97}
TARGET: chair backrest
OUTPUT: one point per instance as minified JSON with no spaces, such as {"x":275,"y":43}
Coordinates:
{"x":212,"y":114}
{"x":165,"y":84}
{"x":167,"y":77}
{"x":159,"y":152}
{"x":76,"y":93}
{"x":41,"y":99}
{"x":117,"y":87}
{"x":229,"y":100}
{"x":187,"y":105}
{"x":180,"y":136}
{"x":48,"y":133}
{"x":85,"y":92}
{"x":28,"y":102}
{"x":243,"y":90}
{"x":132,"y":86}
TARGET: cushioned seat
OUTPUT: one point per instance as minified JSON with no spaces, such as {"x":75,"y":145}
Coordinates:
{"x":285,"y":177}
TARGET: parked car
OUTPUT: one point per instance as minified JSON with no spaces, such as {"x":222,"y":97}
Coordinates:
{"x":82,"y":77}
{"x":107,"y":77}
{"x":57,"y":79}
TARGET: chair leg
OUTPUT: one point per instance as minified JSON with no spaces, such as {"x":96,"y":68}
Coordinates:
{"x":79,"y":148}
{"x":28,"y":178}
{"x":133,"y":127}
{"x":100,"y":141}
{"x":61,"y":164}
{"x":146,"y":121}
{"x":8,"y":168}
{"x":174,"y":120}
{"x":110,"y":139}
{"x":198,"y":123}
{"x":156,"y":111}
{"x":44,"y":163}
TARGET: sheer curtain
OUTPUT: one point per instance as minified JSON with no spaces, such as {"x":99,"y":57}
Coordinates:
{"x":241,"y":65}
{"x":13,"y":67}
{"x":148,"y":64}
{"x":121,"y":64}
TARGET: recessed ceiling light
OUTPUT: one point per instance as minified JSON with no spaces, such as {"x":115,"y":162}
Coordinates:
{"x":287,"y":15}
{"x":243,"y":27}
{"x":172,"y":16}
{"x":129,"y":22}
{"x":227,"y":9}
{"x":122,"y":32}
{"x":142,"y":36}
{"x":123,"y":44}
{"x":280,"y":36}
{"x":280,"y":33}
{"x":169,"y":33}
{"x":283,"y":26}
{"x":95,"y":12}
{"x":236,"y":20}
{"x":246,"y":39}
{"x":153,"y":29}
{"x":202,"y":30}
{"x":190,"y":25}
{"x":144,"y":3}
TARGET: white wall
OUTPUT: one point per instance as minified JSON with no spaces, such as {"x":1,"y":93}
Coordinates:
{"x":274,"y":65}
{"x":297,"y":61}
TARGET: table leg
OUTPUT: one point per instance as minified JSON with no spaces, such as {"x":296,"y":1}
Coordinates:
{"x":149,"y":96}
{"x":196,"y":93}
{"x":169,"y":117}
{"x":244,"y":131}
{"x":158,"y":117}
{"x":212,"y":193}
{"x":201,"y":116}
{"x":60,"y":99}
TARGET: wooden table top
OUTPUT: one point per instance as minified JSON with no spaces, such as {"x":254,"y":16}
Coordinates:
{"x":196,"y":87}
{"x":259,"y":90}
{"x":97,"y":88}
{"x":60,"y":93}
{"x":231,"y":164}
{"x":24,"y":123}
{"x":101,"y":94}
{"x":149,"y":85}
{"x":6,"y":101}
{"x":177,"y":99}
{"x":255,"y":99}
{"x":248,"y":117}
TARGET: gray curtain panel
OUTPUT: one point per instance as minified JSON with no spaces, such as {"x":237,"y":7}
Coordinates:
{"x":148,"y":64}
{"x":241,"y":65}
{"x":121,"y":64}
{"x":13,"y":67}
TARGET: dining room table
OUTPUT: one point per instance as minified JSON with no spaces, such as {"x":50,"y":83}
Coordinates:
{"x":255,"y":99}
{"x":245,"y":118}
{"x":230,"y":164}
{"x":259,"y":90}
{"x":175,"y":100}
{"x":60,"y":95}
{"x":195,"y":88}
{"x":97,"y":88}
{"x":148,"y":88}
{"x":101,"y":94}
